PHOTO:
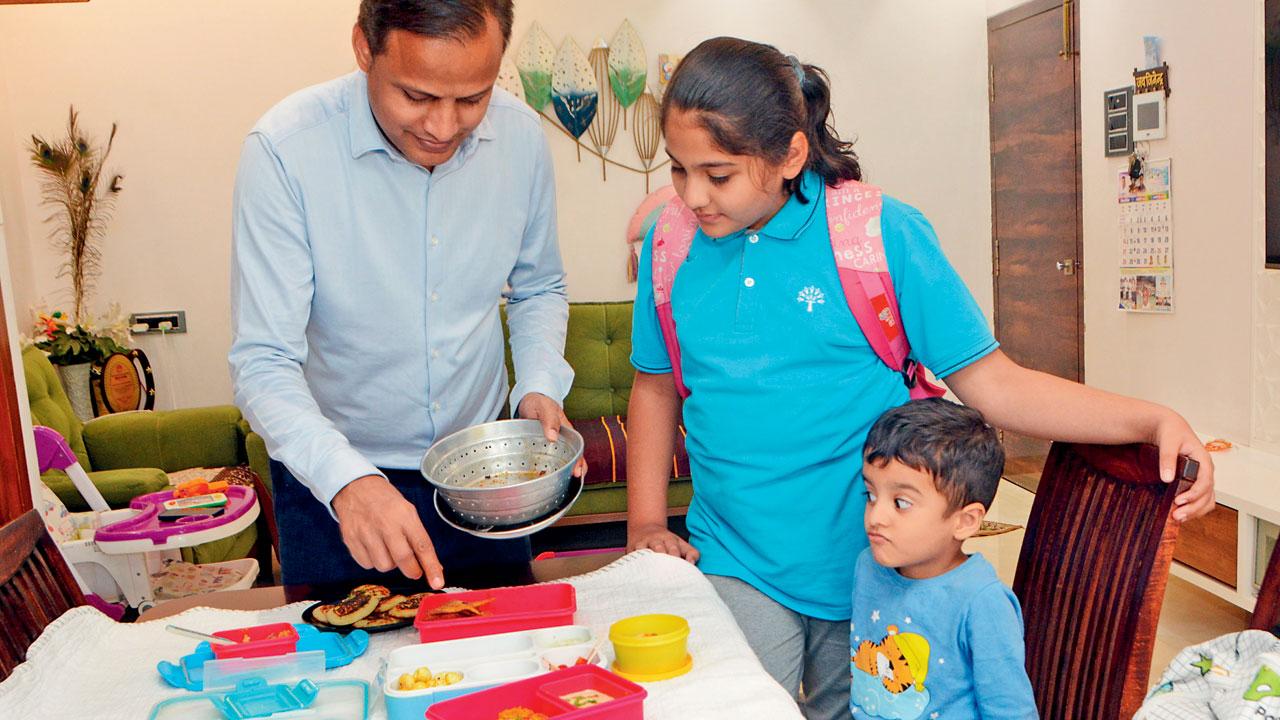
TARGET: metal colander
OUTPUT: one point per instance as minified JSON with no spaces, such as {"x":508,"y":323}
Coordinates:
{"x":488,"y":473}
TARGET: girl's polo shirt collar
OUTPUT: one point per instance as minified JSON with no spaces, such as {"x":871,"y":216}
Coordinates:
{"x":795,"y":216}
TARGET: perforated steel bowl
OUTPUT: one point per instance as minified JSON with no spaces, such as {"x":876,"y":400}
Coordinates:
{"x":486,"y":472}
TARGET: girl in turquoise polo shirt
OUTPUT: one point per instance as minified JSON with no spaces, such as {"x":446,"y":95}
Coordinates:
{"x":782,"y":383}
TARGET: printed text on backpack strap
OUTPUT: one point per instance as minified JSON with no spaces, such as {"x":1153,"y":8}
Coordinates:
{"x":853,"y":222}
{"x":672,"y":238}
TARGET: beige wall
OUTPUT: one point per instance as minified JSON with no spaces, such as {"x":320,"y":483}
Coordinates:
{"x":186,"y":80}
{"x":1202,"y":359}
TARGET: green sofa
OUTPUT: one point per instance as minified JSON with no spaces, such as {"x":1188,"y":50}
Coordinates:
{"x":128,"y":454}
{"x":598,"y":347}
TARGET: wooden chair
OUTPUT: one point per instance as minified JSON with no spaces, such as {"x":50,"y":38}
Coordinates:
{"x":35,"y":587}
{"x":1266,"y":612}
{"x":1091,"y":577}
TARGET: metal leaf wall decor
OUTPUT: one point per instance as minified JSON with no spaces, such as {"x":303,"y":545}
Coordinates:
{"x":627,"y":66}
{"x":605,"y":128}
{"x":590,"y":94}
{"x":509,"y":79}
{"x":534,"y":61}
{"x":574,"y":94}
{"x":647,"y":132}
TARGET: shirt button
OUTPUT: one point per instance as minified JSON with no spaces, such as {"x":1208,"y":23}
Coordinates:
{"x":754,"y":239}
{"x":435,"y":354}
{"x":749,"y":282}
{"x":435,"y":297}
{"x":435,"y":407}
{"x":434,"y":241}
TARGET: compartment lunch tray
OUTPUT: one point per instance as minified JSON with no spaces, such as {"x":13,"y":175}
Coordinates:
{"x":485,"y":662}
{"x":338,"y":649}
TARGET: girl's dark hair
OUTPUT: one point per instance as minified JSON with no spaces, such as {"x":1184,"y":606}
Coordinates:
{"x":458,"y":19}
{"x":752,"y":99}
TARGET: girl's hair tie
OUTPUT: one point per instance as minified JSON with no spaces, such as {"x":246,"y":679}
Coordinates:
{"x":797,"y":68}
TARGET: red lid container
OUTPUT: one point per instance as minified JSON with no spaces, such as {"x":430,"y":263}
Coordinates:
{"x":502,"y":610}
{"x":256,"y":641}
{"x":585,"y":692}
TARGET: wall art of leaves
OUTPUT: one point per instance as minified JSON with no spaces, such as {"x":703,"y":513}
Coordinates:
{"x":590,"y":94}
{"x":627,"y":67}
{"x":534,"y":61}
{"x":574,"y":94}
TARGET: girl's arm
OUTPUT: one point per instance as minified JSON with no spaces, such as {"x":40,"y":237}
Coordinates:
{"x":652,"y":416}
{"x":1045,"y":406}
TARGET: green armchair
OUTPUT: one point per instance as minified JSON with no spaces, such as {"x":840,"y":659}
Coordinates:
{"x":128,"y":454}
{"x":598,"y":347}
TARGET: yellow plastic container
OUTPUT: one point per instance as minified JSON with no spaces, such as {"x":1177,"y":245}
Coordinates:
{"x":651,"y":647}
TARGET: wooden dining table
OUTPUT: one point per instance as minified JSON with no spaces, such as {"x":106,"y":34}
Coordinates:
{"x":483,"y":576}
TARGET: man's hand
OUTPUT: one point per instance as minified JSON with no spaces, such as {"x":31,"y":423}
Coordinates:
{"x":536,"y":406}
{"x":661,"y":540}
{"x":383,"y":531}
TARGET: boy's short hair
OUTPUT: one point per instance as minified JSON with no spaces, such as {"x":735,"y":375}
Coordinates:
{"x":951,"y":442}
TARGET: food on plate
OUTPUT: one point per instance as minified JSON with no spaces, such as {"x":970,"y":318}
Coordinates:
{"x":354,"y":607}
{"x":390,"y":602}
{"x":368,"y":607}
{"x":408,"y":607}
{"x":454,"y":609}
{"x":377,"y":590}
{"x":520,"y":713}
{"x":423,"y":679}
{"x":586,"y":698}
{"x":377,"y":620}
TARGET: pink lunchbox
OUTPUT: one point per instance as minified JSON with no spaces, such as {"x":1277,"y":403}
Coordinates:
{"x":584,"y":692}
{"x":503,"y":610}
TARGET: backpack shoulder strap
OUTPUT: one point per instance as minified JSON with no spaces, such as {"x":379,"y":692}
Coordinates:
{"x":853,"y":222}
{"x":672,"y":237}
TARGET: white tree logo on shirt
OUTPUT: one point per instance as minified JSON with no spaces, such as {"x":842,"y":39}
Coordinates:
{"x":811,"y":296}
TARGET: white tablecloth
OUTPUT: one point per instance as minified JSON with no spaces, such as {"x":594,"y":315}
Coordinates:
{"x":86,"y":666}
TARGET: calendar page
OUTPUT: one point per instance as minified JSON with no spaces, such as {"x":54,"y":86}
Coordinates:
{"x":1146,"y":239}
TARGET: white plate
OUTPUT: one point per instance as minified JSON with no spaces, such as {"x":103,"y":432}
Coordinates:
{"x":508,"y":532}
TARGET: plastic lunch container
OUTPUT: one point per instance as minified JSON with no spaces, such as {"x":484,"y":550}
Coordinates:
{"x":552,"y":695}
{"x":256,"y":641}
{"x":651,"y":647}
{"x":484,"y":662}
{"x":507,"y":610}
{"x":315,"y":652}
{"x":323,"y":700}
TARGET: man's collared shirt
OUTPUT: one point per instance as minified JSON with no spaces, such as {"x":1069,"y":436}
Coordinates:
{"x":364,"y":288}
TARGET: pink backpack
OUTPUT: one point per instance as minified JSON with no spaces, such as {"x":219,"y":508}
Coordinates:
{"x":853,"y":221}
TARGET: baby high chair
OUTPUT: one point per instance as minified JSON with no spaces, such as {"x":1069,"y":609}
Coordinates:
{"x":114,"y":554}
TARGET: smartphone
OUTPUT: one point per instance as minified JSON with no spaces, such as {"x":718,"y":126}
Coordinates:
{"x":178,"y":514}
{"x":198,"y":501}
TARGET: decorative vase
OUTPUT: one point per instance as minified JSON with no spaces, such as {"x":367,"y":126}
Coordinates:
{"x":75,"y":381}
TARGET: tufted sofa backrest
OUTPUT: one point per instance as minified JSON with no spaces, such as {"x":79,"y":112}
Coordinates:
{"x":598,"y":348}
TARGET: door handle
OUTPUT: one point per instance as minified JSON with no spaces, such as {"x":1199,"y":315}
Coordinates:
{"x":1067,"y":267}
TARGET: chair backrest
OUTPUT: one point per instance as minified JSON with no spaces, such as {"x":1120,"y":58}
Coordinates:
{"x":1091,"y":578}
{"x":36,"y":587}
{"x":1266,"y":612}
{"x":49,"y":404}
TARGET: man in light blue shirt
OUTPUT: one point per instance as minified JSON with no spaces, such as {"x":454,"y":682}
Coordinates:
{"x":378,"y":219}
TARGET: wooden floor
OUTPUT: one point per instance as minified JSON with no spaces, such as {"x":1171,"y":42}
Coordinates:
{"x":1189,"y":615}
